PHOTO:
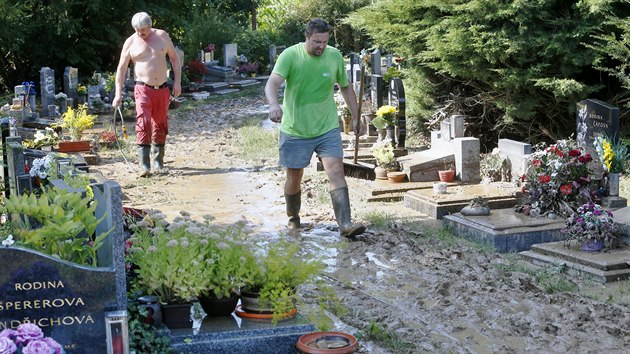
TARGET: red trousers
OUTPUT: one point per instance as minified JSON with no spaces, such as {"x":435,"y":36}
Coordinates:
{"x":151,"y":114}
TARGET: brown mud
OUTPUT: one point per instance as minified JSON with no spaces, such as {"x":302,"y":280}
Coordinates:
{"x":407,"y":286}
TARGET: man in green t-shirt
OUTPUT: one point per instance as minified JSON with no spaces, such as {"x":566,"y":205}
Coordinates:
{"x":309,"y":121}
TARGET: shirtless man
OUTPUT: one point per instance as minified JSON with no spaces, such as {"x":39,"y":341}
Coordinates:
{"x":147,"y":49}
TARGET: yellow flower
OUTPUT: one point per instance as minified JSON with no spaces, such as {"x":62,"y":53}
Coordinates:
{"x":609,"y":154}
{"x":386,"y":111}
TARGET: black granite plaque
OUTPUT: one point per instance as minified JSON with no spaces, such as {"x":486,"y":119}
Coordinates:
{"x":595,"y":117}
{"x":66,"y":300}
{"x":396,"y":98}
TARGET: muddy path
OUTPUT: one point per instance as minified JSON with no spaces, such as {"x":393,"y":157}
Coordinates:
{"x":405,"y":286}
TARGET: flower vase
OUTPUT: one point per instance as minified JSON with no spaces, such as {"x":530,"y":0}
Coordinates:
{"x":592,"y":245}
{"x":177,"y":315}
{"x":382,"y":135}
{"x":613,"y":184}
{"x":390,"y":135}
{"x":447,"y":175}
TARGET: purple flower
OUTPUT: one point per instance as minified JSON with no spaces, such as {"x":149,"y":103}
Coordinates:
{"x":7,"y":346}
{"x":9,"y":333}
{"x":27,"y":332}
{"x":52,"y":344}
{"x":36,"y":347}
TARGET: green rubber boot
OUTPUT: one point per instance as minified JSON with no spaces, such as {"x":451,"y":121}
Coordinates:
{"x":294,"y":202}
{"x":145,"y":161}
{"x":341,"y":204}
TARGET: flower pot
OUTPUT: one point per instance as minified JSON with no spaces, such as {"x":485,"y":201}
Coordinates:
{"x":592,"y":245}
{"x":440,"y":188}
{"x":475,"y":210}
{"x":215,"y":307}
{"x":396,"y":176}
{"x":177,"y":315}
{"x":250,"y":303}
{"x":447,"y":175}
{"x":613,"y":184}
{"x":74,"y":146}
{"x":327,"y":342}
{"x":381,"y":173}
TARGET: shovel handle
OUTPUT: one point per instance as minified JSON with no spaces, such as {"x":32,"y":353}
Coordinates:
{"x":356,"y":132}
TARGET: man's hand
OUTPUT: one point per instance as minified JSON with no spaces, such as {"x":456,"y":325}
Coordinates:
{"x":275,"y":113}
{"x":117,"y":101}
{"x":177,"y":90}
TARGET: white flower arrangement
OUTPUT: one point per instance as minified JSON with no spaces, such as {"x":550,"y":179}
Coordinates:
{"x":47,"y":137}
{"x":42,"y":167}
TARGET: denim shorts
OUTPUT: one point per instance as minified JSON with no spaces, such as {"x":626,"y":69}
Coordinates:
{"x":297,"y":152}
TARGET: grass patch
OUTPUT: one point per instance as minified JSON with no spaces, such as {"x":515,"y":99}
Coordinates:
{"x":388,"y":338}
{"x":378,"y":219}
{"x":255,"y":143}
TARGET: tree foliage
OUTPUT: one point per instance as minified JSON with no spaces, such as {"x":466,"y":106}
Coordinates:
{"x":515,"y":68}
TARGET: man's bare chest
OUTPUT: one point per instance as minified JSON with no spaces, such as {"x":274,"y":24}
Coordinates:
{"x":144,"y":51}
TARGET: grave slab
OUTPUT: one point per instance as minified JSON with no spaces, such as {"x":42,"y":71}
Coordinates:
{"x":236,"y":335}
{"x":612,"y":265}
{"x":506,"y":230}
{"x":497,"y":194}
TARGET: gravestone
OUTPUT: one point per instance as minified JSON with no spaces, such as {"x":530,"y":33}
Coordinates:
{"x":274,"y":52}
{"x":396,"y":98}
{"x":595,"y":117}
{"x":229,"y":54}
{"x":67,"y":301}
{"x":47,"y":88}
{"x":376,"y":91}
{"x":376,"y":62}
{"x":71,"y":82}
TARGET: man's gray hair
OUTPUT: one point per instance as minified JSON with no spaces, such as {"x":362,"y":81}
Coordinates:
{"x":141,"y":20}
{"x":316,"y":25}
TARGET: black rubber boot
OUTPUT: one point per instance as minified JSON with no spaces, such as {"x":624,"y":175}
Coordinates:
{"x":157,"y":152}
{"x":145,"y":160}
{"x":294,"y":202}
{"x":341,"y":204}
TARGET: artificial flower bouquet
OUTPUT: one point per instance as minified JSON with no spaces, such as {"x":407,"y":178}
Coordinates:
{"x":385,"y":116}
{"x":613,"y":154}
{"x":557,"y":180}
{"x":28,"y":338}
{"x":590,"y":223}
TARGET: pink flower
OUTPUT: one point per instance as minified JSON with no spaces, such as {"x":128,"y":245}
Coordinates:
{"x":52,"y":344}
{"x":566,"y":189}
{"x":36,"y":347}
{"x":544,"y":179}
{"x":7,"y":346}
{"x":27,"y":332}
{"x":9,"y":333}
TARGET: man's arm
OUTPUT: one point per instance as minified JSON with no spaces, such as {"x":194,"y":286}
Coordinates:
{"x":125,"y":58}
{"x":351,"y":100}
{"x":271,"y":92}
{"x":176,"y":65}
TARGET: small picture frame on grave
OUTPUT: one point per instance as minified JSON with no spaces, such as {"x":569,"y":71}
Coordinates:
{"x":117,"y":332}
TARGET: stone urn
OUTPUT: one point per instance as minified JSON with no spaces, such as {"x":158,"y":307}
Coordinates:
{"x":478,"y":206}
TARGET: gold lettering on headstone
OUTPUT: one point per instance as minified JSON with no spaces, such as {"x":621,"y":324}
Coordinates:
{"x":38,"y":285}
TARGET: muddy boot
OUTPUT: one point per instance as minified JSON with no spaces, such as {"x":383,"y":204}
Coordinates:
{"x":341,"y":204}
{"x":157,"y":152}
{"x":294,"y":202}
{"x":145,"y":161}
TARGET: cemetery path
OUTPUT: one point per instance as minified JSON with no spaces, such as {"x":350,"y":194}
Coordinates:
{"x":406,"y":285}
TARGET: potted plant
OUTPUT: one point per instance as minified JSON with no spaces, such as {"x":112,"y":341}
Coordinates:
{"x":271,"y":285}
{"x":82,"y":93}
{"x":227,"y":260}
{"x":613,"y":155}
{"x":448,"y":173}
{"x":248,"y":69}
{"x":196,"y":70}
{"x":43,"y":139}
{"x":383,"y":152}
{"x":76,"y":121}
{"x":168,"y":261}
{"x":591,"y":226}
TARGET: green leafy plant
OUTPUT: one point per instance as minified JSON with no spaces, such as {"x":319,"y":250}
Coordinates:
{"x":76,"y":121}
{"x":143,"y":337}
{"x":169,"y":260}
{"x":58,"y":222}
{"x":277,"y":275}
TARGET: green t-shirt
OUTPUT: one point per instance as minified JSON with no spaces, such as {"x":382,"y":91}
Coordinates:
{"x":309,"y":108}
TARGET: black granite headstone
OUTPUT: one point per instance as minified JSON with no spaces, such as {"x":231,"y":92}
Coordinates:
{"x":66,"y":300}
{"x":396,"y":98}
{"x":595,"y":117}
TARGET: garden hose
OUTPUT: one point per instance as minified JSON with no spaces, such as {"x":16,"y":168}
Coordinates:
{"x":124,"y":131}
